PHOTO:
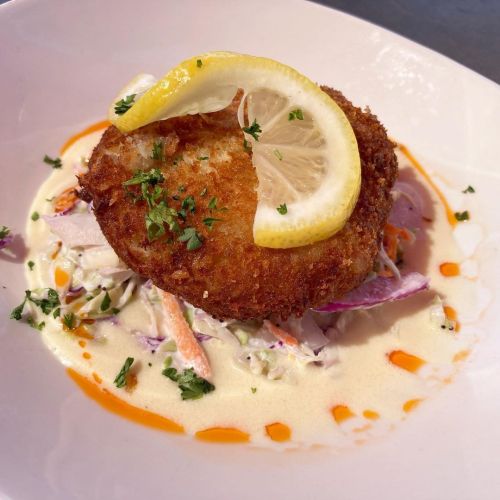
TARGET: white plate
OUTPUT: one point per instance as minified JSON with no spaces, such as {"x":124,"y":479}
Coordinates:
{"x":61,"y":63}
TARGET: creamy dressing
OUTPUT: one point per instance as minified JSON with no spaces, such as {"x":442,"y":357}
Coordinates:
{"x":362,"y":395}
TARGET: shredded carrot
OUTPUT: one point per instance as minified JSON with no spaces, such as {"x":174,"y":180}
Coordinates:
{"x":66,"y":200}
{"x":186,"y":342}
{"x":281,"y":334}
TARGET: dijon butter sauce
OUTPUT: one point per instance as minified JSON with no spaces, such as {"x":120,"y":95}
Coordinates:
{"x":390,"y":358}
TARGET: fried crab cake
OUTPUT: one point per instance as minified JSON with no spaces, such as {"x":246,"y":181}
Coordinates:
{"x":203,"y":157}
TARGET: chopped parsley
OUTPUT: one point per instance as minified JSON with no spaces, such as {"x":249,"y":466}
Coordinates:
{"x":192,"y":238}
{"x":35,"y":216}
{"x":199,"y":63}
{"x":121,"y":379}
{"x":246,"y":146}
{"x":253,"y":389}
{"x":209,"y":221}
{"x":203,"y":191}
{"x":152,"y":177}
{"x":190,"y":385}
{"x":157,"y":152}
{"x":31,"y":264}
{"x":295,"y":114}
{"x":4,"y":231}
{"x":123,"y":105}
{"x":159,"y":215}
{"x":462,"y":216}
{"x":278,"y":154}
{"x":189,"y":204}
{"x":254,"y":130}
{"x":212,"y":204}
{"x":282,"y":209}
{"x":37,"y":326}
{"x":53,"y":162}
{"x":469,"y":189}
{"x":69,"y":321}
{"x":47,"y":305}
{"x":202,"y":158}
{"x":115,"y":310}
{"x":106,"y":302}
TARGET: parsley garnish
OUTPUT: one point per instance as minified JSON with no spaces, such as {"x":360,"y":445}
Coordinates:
{"x":199,"y":63}
{"x":282,"y":209}
{"x":121,"y":379}
{"x":201,"y":158}
{"x":246,"y":146}
{"x":462,"y":216}
{"x":191,"y":386}
{"x":158,"y":216}
{"x":47,"y":304}
{"x":209,"y":222}
{"x":37,"y":326}
{"x":53,"y":162}
{"x":278,"y":154}
{"x":469,"y":189}
{"x":253,"y":389}
{"x":106,"y":302}
{"x":192,"y":238}
{"x":115,"y":310}
{"x":152,"y":177}
{"x":35,"y":216}
{"x":69,"y":321}
{"x":203,"y":191}
{"x":123,"y":105}
{"x":254,"y":130}
{"x":212,"y":204}
{"x":157,"y":152}
{"x":4,"y":231}
{"x":189,"y":204}
{"x":295,"y":114}
{"x":31,"y":264}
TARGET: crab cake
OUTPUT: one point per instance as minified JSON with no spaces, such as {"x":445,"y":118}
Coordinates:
{"x":208,"y":177}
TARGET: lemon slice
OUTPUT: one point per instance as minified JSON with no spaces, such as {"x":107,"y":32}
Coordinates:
{"x":304,"y":149}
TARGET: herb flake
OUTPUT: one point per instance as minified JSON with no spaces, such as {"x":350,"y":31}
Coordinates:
{"x":295,"y":114}
{"x":35,"y":216}
{"x":157,"y":151}
{"x":254,"y":130}
{"x":469,"y":189}
{"x":199,"y":63}
{"x":106,"y":302}
{"x":123,"y":105}
{"x":31,"y":265}
{"x":210,"y":221}
{"x":121,"y":379}
{"x":192,"y":238}
{"x":190,"y":385}
{"x":53,"y":162}
{"x":462,"y":216}
{"x":282,"y":209}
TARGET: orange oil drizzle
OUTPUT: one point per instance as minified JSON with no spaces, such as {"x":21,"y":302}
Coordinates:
{"x":406,"y":361}
{"x":278,"y":432}
{"x":411,"y":404}
{"x":223,"y":435}
{"x":371,"y":415}
{"x":61,"y":277}
{"x":96,"y":377}
{"x":450,"y":215}
{"x":116,"y":405}
{"x":92,"y":128}
{"x":449,"y":269}
{"x":86,"y":355}
{"x":451,"y":314}
{"x":82,"y":343}
{"x":461,"y":356}
{"x":341,"y":413}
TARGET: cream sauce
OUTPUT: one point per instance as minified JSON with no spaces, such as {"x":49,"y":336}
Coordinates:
{"x":364,"y":394}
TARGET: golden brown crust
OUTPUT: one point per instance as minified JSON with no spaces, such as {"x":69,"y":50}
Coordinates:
{"x":229,"y":276}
